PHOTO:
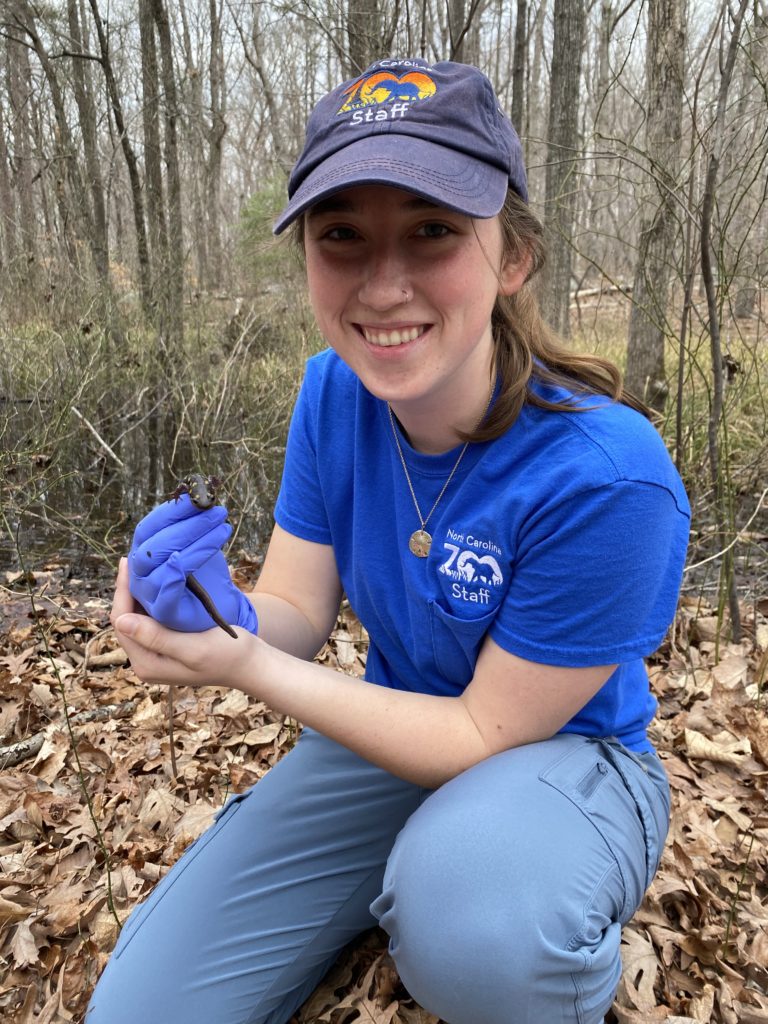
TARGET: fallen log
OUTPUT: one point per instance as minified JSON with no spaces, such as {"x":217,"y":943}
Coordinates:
{"x":22,"y":750}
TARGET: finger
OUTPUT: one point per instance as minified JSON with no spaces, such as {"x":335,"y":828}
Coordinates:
{"x":142,"y":640}
{"x":202,"y":550}
{"x":167,"y":644}
{"x":173,"y":511}
{"x":162,"y":516}
{"x":122,"y":601}
{"x":160,"y":655}
{"x":207,"y":528}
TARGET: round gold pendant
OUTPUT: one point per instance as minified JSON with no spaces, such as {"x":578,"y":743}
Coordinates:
{"x":420,"y":543}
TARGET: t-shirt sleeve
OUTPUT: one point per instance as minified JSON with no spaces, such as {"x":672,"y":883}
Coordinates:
{"x":300,"y":508}
{"x":596,"y":576}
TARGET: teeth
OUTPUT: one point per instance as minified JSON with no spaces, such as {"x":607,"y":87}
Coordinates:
{"x":388,"y":338}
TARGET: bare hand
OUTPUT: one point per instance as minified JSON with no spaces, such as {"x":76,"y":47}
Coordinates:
{"x":160,"y":655}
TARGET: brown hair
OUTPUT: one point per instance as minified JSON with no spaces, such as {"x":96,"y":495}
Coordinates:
{"x":527,"y":349}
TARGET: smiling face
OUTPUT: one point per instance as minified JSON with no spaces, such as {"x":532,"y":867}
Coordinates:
{"x":403,"y":290}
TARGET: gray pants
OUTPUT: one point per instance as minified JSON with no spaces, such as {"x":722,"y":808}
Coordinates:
{"x":503,"y":892}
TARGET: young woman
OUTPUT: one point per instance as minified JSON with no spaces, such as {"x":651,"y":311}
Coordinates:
{"x":511,"y":532}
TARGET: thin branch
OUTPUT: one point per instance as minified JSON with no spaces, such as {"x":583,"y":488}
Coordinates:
{"x":98,"y":436}
{"x":736,"y":539}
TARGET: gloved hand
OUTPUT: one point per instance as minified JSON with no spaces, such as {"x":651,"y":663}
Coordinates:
{"x":177,"y":538}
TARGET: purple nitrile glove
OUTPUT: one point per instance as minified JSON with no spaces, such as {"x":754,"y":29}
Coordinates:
{"x":177,"y":538}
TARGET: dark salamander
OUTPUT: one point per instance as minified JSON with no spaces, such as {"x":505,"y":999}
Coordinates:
{"x":202,"y":494}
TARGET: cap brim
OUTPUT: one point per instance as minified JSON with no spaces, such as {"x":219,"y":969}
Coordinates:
{"x":443,"y":176}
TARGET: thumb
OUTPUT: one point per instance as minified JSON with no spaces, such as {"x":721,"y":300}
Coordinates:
{"x":138,"y":627}
{"x":128,"y":624}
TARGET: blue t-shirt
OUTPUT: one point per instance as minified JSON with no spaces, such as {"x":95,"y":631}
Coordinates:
{"x":564,"y":540}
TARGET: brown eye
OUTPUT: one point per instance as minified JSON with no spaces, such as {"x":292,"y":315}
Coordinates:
{"x":340,"y":234}
{"x":434,"y":230}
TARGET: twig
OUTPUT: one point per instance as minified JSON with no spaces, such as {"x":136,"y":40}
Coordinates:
{"x":736,"y":539}
{"x":171,"y":738}
{"x":98,"y":436}
{"x":736,"y":896}
{"x":15,"y":753}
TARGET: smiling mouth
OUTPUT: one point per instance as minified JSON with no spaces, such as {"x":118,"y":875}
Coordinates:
{"x":386,"y":339}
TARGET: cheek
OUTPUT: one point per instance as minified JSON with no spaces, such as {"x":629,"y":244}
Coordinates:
{"x":322,"y":288}
{"x":467,"y":285}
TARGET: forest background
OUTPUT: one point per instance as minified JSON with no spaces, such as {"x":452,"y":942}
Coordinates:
{"x":150,"y":325}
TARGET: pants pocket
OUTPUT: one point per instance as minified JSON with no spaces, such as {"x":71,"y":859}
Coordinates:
{"x":592,"y":775}
{"x":645,"y":780}
{"x":145,"y":909}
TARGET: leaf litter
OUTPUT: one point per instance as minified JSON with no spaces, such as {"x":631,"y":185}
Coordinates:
{"x":77,"y":856}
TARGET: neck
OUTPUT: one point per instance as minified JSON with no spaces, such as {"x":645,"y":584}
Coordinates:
{"x":427,"y":428}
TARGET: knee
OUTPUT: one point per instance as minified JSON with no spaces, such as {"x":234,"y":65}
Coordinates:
{"x":470,"y":963}
{"x":466,"y":968}
{"x":482,"y":965}
{"x":477,"y":933}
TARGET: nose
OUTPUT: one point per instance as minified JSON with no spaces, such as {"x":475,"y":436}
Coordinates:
{"x":385,"y":282}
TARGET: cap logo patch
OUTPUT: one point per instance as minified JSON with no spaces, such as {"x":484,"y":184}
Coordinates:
{"x":386,"y":88}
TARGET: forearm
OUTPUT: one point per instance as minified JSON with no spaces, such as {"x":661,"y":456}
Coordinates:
{"x":285,"y":627}
{"x":420,"y":737}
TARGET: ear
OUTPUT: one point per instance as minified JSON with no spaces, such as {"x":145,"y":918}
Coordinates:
{"x":514,"y":274}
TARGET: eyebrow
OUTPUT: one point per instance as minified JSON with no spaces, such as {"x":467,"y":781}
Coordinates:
{"x":337,"y":204}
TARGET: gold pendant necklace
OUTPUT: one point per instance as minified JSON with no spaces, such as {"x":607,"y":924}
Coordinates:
{"x":420,"y":542}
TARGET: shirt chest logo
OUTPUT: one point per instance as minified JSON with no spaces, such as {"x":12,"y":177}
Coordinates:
{"x":471,"y":563}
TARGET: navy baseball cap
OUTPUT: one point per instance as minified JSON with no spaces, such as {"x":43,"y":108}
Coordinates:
{"x":436,"y":130}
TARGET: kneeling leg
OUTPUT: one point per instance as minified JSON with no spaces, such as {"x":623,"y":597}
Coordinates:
{"x":506,"y":891}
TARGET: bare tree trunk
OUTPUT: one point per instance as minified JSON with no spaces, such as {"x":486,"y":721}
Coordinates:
{"x":457,"y":20}
{"x":71,"y":192}
{"x":9,"y":244}
{"x":87,"y":116}
{"x":195,"y":134}
{"x":519,"y":65}
{"x":603,"y":125}
{"x":562,"y":158}
{"x":744,"y":229}
{"x":254,"y":54}
{"x":153,"y":175}
{"x":137,"y":195}
{"x":535,"y":116}
{"x":363,"y":35}
{"x":216,"y":134}
{"x":719,"y":138}
{"x":659,"y":233}
{"x":17,"y":70}
{"x":174,"y":285}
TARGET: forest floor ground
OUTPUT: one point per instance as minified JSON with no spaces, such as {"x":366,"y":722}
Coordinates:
{"x":696,"y":950}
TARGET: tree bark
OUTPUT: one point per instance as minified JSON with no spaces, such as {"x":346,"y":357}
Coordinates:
{"x":718,"y":135}
{"x":8,"y":234}
{"x":457,"y":20}
{"x":254,"y":54}
{"x":173,"y":286}
{"x":17,"y":75}
{"x":87,"y":118}
{"x":363,"y":35}
{"x":746,"y":227}
{"x":71,"y":193}
{"x":215,"y":137}
{"x":659,"y":233}
{"x":195,"y":135}
{"x":519,"y":65}
{"x":131,"y":163}
{"x":562,"y":158}
{"x":153,"y":174}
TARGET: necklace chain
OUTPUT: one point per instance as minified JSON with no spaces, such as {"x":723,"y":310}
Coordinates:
{"x":420,"y":541}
